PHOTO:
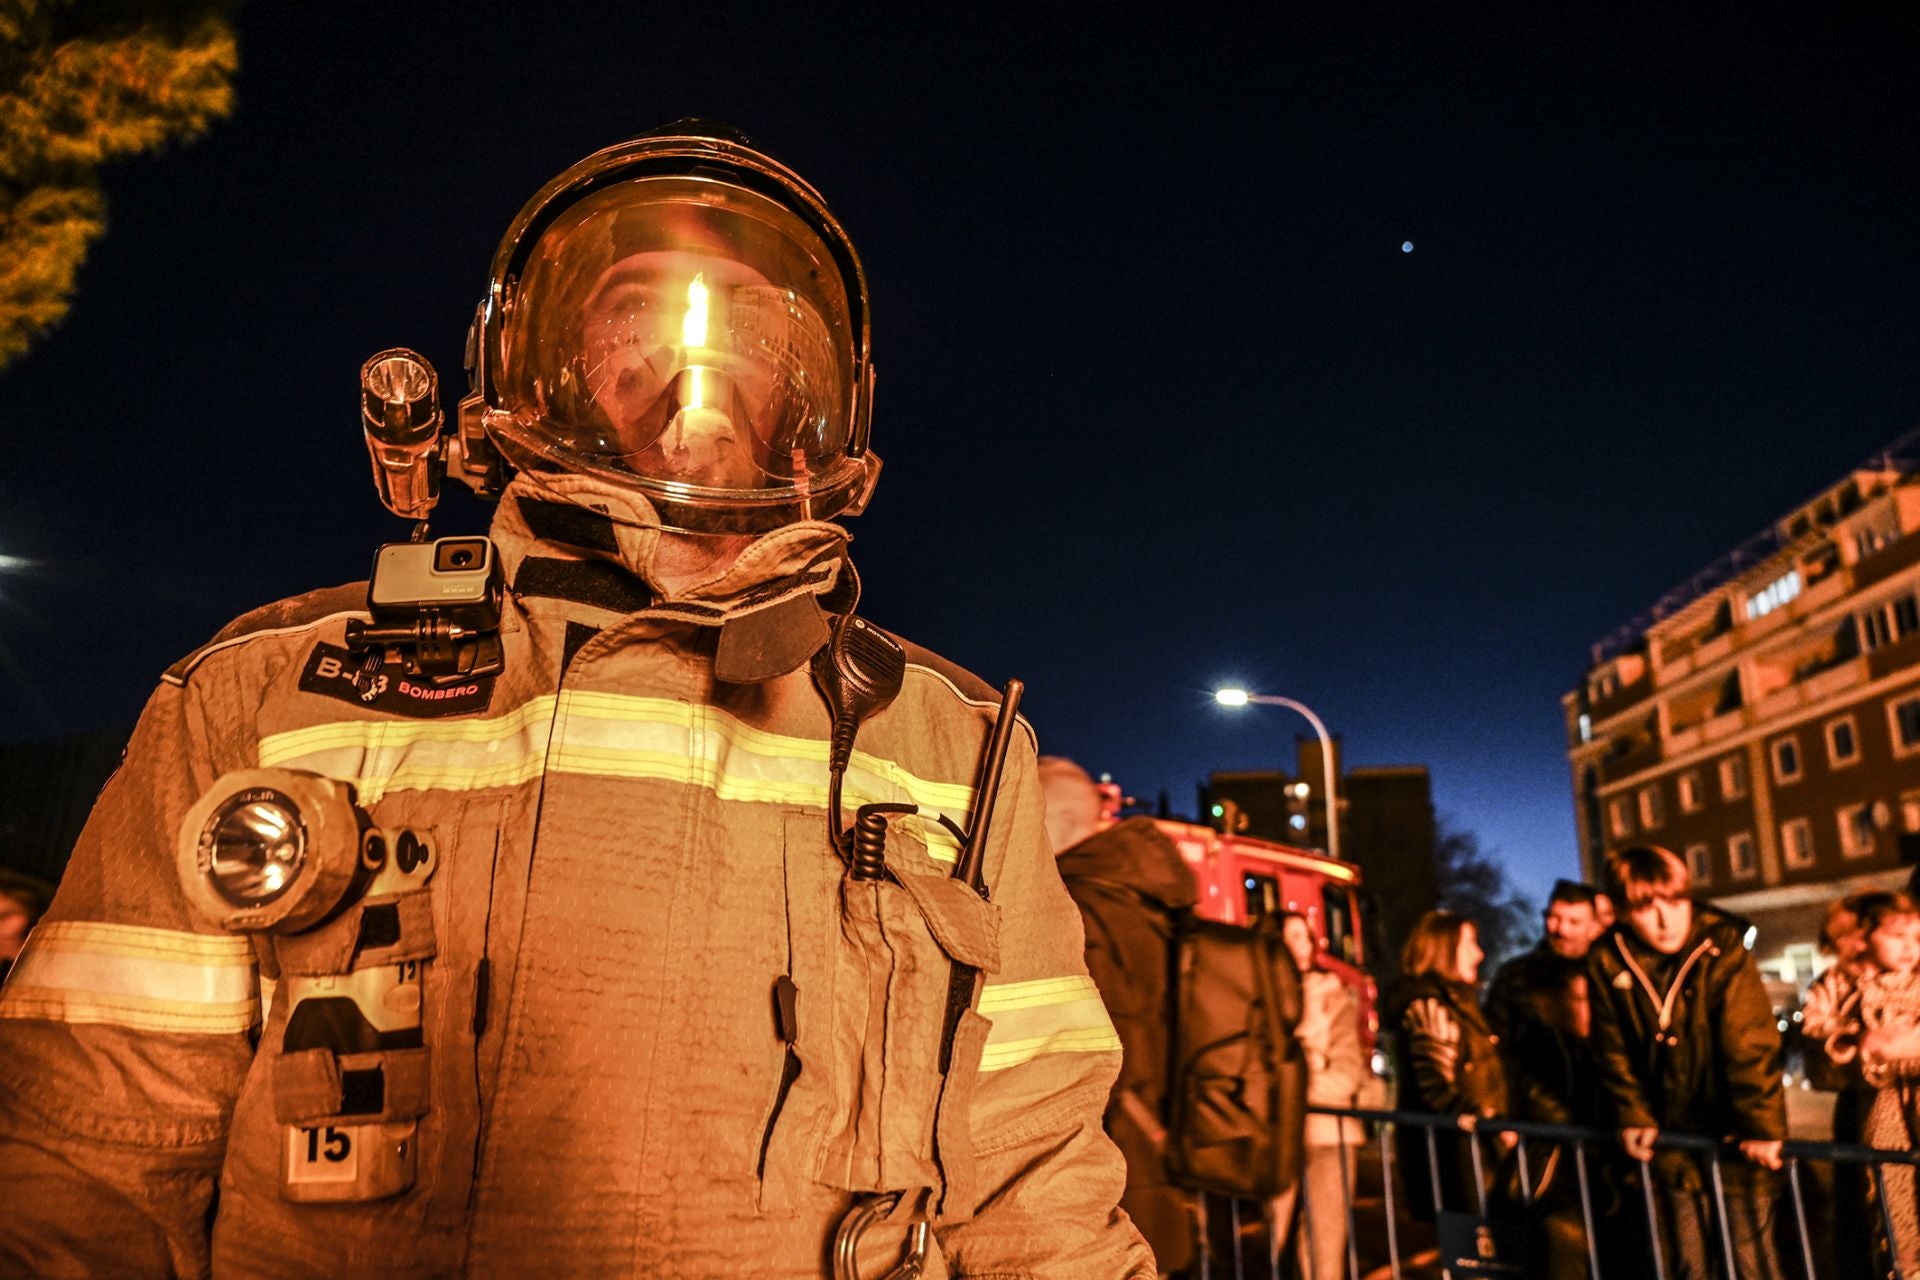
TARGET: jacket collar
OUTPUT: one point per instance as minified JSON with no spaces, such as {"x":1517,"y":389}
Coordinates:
{"x":581,"y":540}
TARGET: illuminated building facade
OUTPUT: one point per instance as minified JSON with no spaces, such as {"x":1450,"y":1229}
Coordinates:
{"x":1763,"y":719}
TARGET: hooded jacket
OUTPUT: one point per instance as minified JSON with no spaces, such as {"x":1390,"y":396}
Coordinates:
{"x":632,"y":853}
{"x":1128,"y":880}
{"x":1687,"y":1042}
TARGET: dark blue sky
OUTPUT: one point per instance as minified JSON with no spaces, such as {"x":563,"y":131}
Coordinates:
{"x":1161,"y":400}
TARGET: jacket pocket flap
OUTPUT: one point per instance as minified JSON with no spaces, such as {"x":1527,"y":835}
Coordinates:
{"x":377,"y":931}
{"x":318,"y":1084}
{"x":966,"y":926}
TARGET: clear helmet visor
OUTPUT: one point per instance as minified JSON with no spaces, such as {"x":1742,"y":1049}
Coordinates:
{"x":684,"y":335}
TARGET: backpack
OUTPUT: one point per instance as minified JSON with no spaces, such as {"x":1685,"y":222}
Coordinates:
{"x":1237,"y":1087}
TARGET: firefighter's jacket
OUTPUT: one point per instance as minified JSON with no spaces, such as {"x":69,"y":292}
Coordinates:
{"x":632,"y":852}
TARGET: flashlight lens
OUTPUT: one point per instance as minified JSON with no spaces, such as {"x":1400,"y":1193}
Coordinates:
{"x":398,"y":379}
{"x":257,"y":843}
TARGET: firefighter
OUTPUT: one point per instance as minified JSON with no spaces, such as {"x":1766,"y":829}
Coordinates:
{"x":632,"y":1015}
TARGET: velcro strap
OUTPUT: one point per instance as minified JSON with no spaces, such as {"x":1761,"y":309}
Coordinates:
{"x":384,"y":930}
{"x":953,"y":1124}
{"x":564,"y":522}
{"x":600,"y":584}
{"x":318,"y":1084}
{"x":966,"y":926}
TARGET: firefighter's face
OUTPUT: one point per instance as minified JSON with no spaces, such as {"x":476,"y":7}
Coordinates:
{"x":655,"y":335}
{"x":1663,"y":922}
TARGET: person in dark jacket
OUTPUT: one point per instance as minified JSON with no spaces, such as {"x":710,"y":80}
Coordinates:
{"x":1128,"y":879}
{"x":1685,"y":1040}
{"x":1537,"y":977}
{"x":1449,"y":1061}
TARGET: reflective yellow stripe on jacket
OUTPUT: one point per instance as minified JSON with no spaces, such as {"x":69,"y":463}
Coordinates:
{"x":1046,"y":1015}
{"x":606,"y":735}
{"x":87,"y":971}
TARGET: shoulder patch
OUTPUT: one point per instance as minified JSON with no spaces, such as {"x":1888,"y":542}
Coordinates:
{"x":296,"y":613}
{"x":330,"y":671}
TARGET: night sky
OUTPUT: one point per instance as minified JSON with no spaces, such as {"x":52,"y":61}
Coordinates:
{"x":1162,"y":401}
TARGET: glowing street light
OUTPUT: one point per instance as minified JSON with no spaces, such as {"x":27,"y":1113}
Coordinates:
{"x":1232,"y":696}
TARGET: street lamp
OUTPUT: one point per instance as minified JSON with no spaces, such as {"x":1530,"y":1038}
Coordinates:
{"x":1234,"y":697}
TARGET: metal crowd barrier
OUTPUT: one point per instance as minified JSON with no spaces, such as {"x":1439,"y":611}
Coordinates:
{"x":1584,"y":1145}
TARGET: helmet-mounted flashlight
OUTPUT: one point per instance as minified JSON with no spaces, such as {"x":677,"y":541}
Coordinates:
{"x":400,"y":414}
{"x":272,"y":850}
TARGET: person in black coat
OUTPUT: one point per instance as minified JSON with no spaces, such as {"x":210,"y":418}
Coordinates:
{"x":1449,"y":1062}
{"x":1684,"y":1038}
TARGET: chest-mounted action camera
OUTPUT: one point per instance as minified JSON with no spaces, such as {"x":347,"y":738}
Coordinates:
{"x":437,"y":604}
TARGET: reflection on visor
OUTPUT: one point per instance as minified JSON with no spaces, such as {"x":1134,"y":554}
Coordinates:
{"x":707,"y":383}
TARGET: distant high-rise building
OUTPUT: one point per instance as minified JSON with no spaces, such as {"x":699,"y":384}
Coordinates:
{"x":1762,"y":720}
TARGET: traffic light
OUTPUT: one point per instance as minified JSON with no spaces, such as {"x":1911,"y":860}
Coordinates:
{"x":1227,"y":818}
{"x":1297,"y":795}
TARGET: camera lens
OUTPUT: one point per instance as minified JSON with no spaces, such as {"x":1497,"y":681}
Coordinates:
{"x":459,"y":555}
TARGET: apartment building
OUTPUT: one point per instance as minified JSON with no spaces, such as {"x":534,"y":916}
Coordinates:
{"x":1763,"y":719}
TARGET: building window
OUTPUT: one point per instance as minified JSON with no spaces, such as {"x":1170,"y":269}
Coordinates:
{"x":1843,"y":744}
{"x":1796,"y":842}
{"x":1692,"y":798}
{"x":1653,"y":808}
{"x":1786,"y":759}
{"x":1876,"y":628}
{"x":1910,"y":811}
{"x":1740,"y":856}
{"x":1586,"y":727}
{"x":1782,"y":590}
{"x":1872,"y":538}
{"x":1733,"y":777}
{"x":1905,"y":716}
{"x":1856,"y":830}
{"x":1699,"y":864}
{"x":1620,"y":817}
{"x":1906,"y":615}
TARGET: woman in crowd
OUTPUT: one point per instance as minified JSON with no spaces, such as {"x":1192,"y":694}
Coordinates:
{"x":1329,"y":1035}
{"x":1449,"y":1062}
{"x":1865,"y":1017}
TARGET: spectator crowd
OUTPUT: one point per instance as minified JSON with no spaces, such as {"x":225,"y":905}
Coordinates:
{"x":1640,"y":1013}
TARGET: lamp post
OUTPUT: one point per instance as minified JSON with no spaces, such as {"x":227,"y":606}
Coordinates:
{"x":1232,"y":697}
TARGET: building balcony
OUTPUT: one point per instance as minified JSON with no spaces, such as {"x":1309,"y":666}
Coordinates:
{"x":1813,"y":689}
{"x":1897,"y":555}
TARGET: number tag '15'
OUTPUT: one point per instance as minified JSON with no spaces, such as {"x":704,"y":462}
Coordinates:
{"x":346,"y":1162}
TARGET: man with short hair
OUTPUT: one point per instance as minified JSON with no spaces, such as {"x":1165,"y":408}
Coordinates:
{"x":1526,"y":981}
{"x":1684,"y":1039}
{"x":1128,"y":879}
